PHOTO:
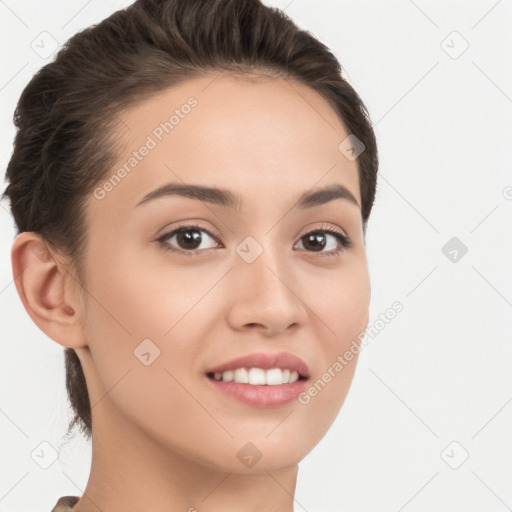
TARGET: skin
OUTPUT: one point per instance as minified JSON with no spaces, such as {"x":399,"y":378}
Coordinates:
{"x":163,"y":439}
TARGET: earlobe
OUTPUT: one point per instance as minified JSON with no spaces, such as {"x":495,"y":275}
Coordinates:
{"x":40,"y":281}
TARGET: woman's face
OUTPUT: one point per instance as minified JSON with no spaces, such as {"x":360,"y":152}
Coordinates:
{"x":159,"y":315}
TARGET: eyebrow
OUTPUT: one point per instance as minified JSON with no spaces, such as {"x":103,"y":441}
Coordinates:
{"x":224,"y":197}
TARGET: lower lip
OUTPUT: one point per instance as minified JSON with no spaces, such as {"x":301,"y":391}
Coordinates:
{"x":263,"y":395}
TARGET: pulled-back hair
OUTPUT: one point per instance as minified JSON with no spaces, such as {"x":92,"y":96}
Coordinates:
{"x":67,"y":115}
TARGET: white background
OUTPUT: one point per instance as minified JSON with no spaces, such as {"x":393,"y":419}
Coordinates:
{"x":441,"y":370}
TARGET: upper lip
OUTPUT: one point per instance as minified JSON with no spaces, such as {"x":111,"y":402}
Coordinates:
{"x":265,"y":362}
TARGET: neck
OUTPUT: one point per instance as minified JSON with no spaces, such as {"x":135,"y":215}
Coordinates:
{"x":131,"y":471}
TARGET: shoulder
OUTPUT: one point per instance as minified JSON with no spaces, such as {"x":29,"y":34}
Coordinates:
{"x":65,"y":503}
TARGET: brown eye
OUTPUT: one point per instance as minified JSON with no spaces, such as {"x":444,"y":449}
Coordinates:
{"x":317,"y":240}
{"x":187,"y":238}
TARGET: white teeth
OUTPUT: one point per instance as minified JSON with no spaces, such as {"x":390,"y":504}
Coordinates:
{"x":258,"y":376}
{"x":228,"y":376}
{"x":241,"y":375}
{"x":274,"y":377}
{"x":294,"y":376}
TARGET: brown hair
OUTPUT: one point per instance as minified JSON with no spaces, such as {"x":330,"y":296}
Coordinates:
{"x":67,"y":114}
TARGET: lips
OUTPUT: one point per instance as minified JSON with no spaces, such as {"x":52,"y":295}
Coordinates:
{"x":265,"y":361}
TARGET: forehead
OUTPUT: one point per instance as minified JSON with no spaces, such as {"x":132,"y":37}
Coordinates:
{"x":261,"y":137}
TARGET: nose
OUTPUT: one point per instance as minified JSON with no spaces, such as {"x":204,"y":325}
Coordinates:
{"x":267,"y":296}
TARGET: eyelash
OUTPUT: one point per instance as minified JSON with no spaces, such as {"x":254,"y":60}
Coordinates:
{"x":344,"y":240}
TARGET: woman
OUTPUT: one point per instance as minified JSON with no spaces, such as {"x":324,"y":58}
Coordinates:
{"x":191,"y":183}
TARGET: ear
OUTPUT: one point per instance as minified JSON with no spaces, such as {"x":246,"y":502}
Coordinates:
{"x":46,"y":290}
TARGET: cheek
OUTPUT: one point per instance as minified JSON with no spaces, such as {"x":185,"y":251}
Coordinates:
{"x":343,"y":306}
{"x":345,"y":303}
{"x":134,"y":299}
{"x":140,"y":331}
{"x":135,"y":308}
